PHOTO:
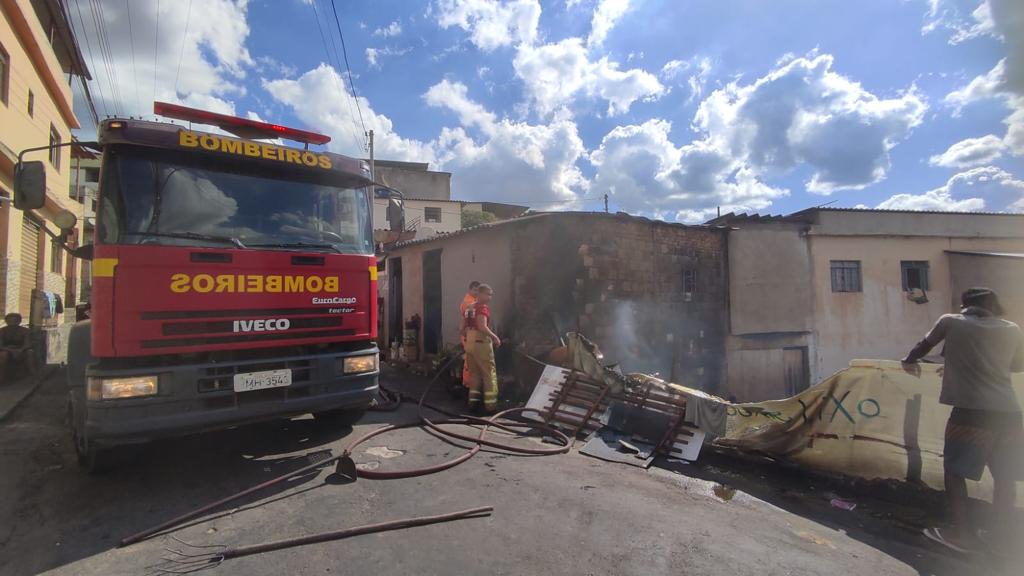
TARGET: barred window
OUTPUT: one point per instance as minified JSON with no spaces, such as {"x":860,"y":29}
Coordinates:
{"x":846,"y":276}
{"x":915,"y":274}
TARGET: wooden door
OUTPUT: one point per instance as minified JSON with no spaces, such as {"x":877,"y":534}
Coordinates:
{"x":796,"y":369}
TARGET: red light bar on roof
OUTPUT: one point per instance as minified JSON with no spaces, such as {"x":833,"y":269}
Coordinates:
{"x":241,"y":127}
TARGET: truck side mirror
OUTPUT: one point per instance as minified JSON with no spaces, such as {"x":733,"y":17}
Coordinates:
{"x":29,"y":185}
{"x":83,"y":252}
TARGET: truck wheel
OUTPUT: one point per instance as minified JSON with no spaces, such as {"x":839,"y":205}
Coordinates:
{"x":95,"y":460}
{"x":339,"y":418}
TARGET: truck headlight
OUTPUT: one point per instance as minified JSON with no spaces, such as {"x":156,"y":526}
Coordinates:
{"x":359,"y":364}
{"x":130,"y":387}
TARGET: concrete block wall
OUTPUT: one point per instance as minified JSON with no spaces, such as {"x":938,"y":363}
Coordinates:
{"x":619,"y":279}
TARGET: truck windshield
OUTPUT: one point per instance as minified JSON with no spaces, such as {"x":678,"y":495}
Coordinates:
{"x":154,"y":196}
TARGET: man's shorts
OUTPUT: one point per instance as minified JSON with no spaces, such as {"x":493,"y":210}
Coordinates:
{"x":979,"y":438}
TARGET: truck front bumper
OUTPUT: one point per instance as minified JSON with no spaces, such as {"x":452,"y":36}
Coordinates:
{"x":200,"y":397}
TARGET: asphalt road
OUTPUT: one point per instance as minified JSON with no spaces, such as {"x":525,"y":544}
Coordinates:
{"x":564,"y":514}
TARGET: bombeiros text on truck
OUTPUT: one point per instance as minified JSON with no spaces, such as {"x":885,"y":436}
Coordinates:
{"x":234,"y":281}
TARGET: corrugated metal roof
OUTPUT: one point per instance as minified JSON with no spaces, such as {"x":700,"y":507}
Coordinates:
{"x":888,"y":211}
{"x":798,"y":216}
{"x":537,"y":215}
{"x":981,"y":253}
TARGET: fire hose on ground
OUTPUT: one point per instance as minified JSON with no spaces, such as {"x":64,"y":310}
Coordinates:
{"x":345,"y":466}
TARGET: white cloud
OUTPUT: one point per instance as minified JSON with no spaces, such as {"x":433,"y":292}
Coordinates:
{"x":320,"y":98}
{"x":805,"y":113}
{"x":491,"y":25}
{"x":696,"y":81}
{"x":373,"y":55}
{"x":972,"y":190}
{"x":673,"y":68}
{"x":1014,"y":139}
{"x":509,"y":161}
{"x":607,"y":13}
{"x":1006,"y":78}
{"x":270,"y":66}
{"x":990,"y":84}
{"x":555,"y":74}
{"x":645,"y":172}
{"x":455,"y":97}
{"x":393,"y":29}
{"x":962,"y":19}
{"x":213,"y":56}
{"x":490,"y":158}
{"x":970,"y":152}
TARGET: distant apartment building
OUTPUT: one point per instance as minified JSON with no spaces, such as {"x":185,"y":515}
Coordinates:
{"x":38,"y":57}
{"x":429,"y":209}
{"x":811,"y":291}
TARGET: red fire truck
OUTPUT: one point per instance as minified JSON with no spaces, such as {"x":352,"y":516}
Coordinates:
{"x":233,"y":281}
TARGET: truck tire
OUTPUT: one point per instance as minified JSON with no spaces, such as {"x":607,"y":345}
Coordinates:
{"x":339,"y":418}
{"x":95,"y":460}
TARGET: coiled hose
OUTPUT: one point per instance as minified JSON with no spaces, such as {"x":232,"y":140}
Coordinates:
{"x":478,"y":441}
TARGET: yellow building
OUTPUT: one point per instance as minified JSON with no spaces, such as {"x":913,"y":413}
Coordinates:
{"x":38,"y":57}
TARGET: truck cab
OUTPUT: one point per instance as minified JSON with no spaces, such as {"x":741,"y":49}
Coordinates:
{"x":233,"y":281}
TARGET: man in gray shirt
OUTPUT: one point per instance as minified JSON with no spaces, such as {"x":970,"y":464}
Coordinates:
{"x":985,"y":427}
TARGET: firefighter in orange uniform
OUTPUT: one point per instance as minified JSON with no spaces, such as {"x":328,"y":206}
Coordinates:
{"x":467,"y":302}
{"x":480,"y":344}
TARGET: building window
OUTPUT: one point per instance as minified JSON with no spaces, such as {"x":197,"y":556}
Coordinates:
{"x":915,"y":274}
{"x":91,"y":174}
{"x":31,"y":104}
{"x":5,"y":74}
{"x":56,"y":253}
{"x":432,"y":214}
{"x":54,"y":151}
{"x":689,"y":284}
{"x":846,"y":276}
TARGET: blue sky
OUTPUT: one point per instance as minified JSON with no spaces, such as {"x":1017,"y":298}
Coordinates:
{"x":673,"y":108}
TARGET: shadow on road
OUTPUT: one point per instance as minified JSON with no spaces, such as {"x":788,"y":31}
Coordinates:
{"x":888,"y":516}
{"x":75,"y":515}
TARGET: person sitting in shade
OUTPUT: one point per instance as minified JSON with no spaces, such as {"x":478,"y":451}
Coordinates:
{"x":15,"y":347}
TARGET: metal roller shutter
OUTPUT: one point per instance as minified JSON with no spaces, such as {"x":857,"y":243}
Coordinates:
{"x":29,"y":264}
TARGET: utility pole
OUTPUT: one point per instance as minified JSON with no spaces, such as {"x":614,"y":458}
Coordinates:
{"x":605,"y":203}
{"x":372,"y":170}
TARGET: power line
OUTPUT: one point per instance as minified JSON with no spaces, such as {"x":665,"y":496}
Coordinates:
{"x":131,"y":38}
{"x":355,"y":95}
{"x":92,"y":58}
{"x":99,"y":19}
{"x":181,"y":53}
{"x":332,"y":60}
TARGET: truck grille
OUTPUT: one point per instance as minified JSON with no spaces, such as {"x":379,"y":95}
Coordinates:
{"x":221,"y":377}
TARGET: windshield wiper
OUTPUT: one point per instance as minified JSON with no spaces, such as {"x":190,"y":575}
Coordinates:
{"x":297,"y":245}
{"x":190,"y":236}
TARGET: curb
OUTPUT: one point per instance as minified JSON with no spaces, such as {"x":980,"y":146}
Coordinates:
{"x":48,"y":372}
